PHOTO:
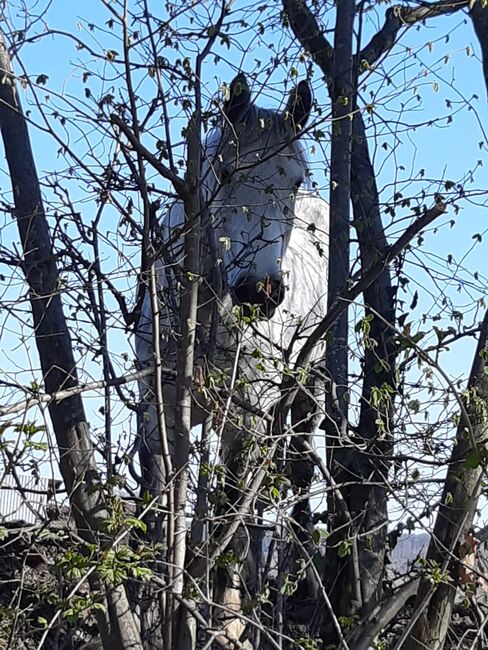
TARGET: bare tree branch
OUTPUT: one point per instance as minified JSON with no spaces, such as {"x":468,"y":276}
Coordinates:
{"x":457,"y":510}
{"x":479,"y":16}
{"x":307,"y":29}
{"x":398,"y":17}
{"x":369,"y":276}
{"x":59,"y":396}
{"x":77,"y":462}
{"x":165,"y":172}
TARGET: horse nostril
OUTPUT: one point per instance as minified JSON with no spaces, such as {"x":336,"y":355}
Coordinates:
{"x":245,"y":293}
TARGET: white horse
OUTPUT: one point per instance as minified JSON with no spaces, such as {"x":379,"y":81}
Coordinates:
{"x":264,"y":249}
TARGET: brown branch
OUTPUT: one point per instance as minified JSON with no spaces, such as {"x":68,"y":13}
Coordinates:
{"x":116,"y":625}
{"x":379,"y":368}
{"x":363,"y":636}
{"x":368,"y":277}
{"x":61,"y":395}
{"x":343,"y":97}
{"x":305,"y":26}
{"x":165,"y":172}
{"x":398,"y":17}
{"x":479,"y":16}
{"x":456,"y":513}
{"x":309,"y":33}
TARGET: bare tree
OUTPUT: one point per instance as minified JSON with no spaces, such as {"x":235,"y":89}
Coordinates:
{"x":363,"y":568}
{"x":117,"y":626}
{"x":214,"y":536}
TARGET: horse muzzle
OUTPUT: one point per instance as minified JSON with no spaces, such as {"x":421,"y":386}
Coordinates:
{"x":266,"y":294}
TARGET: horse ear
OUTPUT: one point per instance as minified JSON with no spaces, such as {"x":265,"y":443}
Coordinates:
{"x":299,"y":106}
{"x":239,"y":98}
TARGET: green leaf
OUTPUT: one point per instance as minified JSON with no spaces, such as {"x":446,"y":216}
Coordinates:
{"x":414,"y":405}
{"x":99,"y":606}
{"x":147,"y":497}
{"x":38,"y":446}
{"x":274,"y":493}
{"x":345,"y":548}
{"x":316,"y":537}
{"x":143,"y":573}
{"x":136,"y":523}
{"x":473,"y":459}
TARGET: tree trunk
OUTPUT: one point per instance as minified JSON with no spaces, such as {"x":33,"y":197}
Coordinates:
{"x":77,"y":463}
{"x":479,"y":16}
{"x":343,"y":600}
{"x":368,"y":496}
{"x":456,"y":512}
{"x":379,"y":368}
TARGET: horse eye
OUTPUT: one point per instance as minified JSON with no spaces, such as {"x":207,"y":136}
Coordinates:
{"x":226,"y":175}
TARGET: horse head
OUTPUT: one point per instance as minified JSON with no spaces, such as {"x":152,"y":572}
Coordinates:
{"x":255,"y":165}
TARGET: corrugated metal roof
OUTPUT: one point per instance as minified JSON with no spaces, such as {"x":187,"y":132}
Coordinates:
{"x":30,"y":506}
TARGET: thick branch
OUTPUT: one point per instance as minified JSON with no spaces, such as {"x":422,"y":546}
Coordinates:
{"x":368,"y":277}
{"x":456,"y":512}
{"x":479,"y":16}
{"x":342,"y":90}
{"x":77,"y":462}
{"x":368,"y":496}
{"x":307,"y":30}
{"x":364,"y":635}
{"x":400,"y":16}
{"x":165,"y":172}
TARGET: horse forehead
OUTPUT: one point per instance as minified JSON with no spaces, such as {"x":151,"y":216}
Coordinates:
{"x":262,"y":130}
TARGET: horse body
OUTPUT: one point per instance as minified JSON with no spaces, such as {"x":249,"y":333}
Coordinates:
{"x":268,"y":347}
{"x":264,"y":250}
